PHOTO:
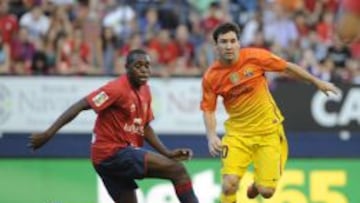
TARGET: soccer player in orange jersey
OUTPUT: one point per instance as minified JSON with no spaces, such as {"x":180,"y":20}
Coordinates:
{"x":253,"y":131}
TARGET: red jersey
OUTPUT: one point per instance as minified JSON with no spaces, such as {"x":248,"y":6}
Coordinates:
{"x":8,"y":27}
{"x":122,"y":112}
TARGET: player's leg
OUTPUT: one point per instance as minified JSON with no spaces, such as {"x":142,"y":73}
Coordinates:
{"x":159,"y":166}
{"x":269,"y":162}
{"x":127,"y":196}
{"x":119,"y":189}
{"x":252,"y":191}
{"x":236,"y":156}
{"x":230,"y":185}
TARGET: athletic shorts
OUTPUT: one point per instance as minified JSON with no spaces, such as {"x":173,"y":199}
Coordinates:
{"x":120,"y":171}
{"x":267,"y":152}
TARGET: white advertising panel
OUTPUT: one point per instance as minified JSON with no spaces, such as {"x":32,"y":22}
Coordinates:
{"x":30,"y":104}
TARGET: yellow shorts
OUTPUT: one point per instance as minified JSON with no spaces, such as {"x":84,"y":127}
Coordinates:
{"x":267,"y":152}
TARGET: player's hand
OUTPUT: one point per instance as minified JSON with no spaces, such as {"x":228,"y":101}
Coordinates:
{"x":36,"y":140}
{"x":180,"y":154}
{"x":327,"y":87}
{"x":214,"y":144}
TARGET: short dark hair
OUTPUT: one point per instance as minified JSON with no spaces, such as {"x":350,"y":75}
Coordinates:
{"x":131,"y":57}
{"x":225,"y":28}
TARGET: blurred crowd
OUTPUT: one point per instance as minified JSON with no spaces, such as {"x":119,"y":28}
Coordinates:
{"x":92,"y":37}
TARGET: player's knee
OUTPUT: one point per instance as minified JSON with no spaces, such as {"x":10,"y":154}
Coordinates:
{"x":230,"y":185}
{"x":178,"y":171}
{"x":266,"y":192}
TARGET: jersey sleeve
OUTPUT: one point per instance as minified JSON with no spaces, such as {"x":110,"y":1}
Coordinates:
{"x":209,"y":97}
{"x":103,"y":97}
{"x":269,"y":61}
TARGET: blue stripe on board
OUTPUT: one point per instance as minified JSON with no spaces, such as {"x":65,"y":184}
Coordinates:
{"x":309,"y":144}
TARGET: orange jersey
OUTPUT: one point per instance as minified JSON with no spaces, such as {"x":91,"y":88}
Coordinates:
{"x":245,"y":92}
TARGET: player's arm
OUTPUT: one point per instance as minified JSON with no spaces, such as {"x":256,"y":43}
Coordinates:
{"x":302,"y":74}
{"x":39,"y":139}
{"x":155,"y":142}
{"x":208,"y":106}
{"x":214,"y":142}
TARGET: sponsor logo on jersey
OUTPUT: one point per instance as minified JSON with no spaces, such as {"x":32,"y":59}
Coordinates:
{"x":234,"y":78}
{"x":248,"y":72}
{"x":100,"y":99}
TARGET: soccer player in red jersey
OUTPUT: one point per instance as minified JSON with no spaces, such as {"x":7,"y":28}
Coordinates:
{"x":123,"y":108}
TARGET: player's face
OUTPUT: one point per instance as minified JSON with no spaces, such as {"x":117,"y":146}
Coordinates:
{"x":228,"y":47}
{"x":139,"y":71}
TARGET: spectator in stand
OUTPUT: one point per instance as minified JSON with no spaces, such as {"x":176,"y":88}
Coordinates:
{"x":163,"y":51}
{"x":205,"y":54}
{"x":197,"y":36}
{"x":51,"y":54}
{"x":309,"y":61}
{"x":259,"y":40}
{"x":39,"y":65}
{"x":135,"y":42}
{"x":75,"y":55}
{"x":91,"y":26}
{"x":332,"y":5}
{"x":36,"y":22}
{"x":201,"y":6}
{"x":59,"y":23}
{"x":339,"y":53}
{"x":185,"y":63}
{"x":301,"y":24}
{"x":250,"y":28}
{"x":288,"y":36}
{"x":22,"y":51}
{"x":326,"y":70}
{"x":312,"y":42}
{"x":325,"y":28}
{"x":149,"y":24}
{"x":169,"y":16}
{"x":119,"y":19}
{"x":8,"y":23}
{"x":213,"y":17}
{"x":106,"y":48}
{"x":4,"y":56}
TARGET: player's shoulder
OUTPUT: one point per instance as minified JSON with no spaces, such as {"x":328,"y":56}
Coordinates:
{"x":253,"y":52}
{"x":118,"y":80}
{"x":212,"y":70}
{"x":117,"y":83}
